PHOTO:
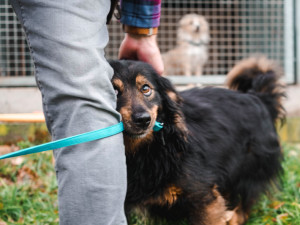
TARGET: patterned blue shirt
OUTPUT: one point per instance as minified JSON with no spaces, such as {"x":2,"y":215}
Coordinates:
{"x":141,"y":13}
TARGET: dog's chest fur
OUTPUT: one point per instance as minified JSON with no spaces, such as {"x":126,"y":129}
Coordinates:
{"x":187,"y":58}
{"x":196,"y":54}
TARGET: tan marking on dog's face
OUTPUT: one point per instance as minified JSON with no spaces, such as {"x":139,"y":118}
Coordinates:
{"x":117,"y":83}
{"x":126,"y":113}
{"x":140,"y":81}
{"x":134,"y":99}
{"x":138,"y":100}
{"x":131,"y":143}
{"x":153,"y":113}
{"x":172,"y":96}
{"x":169,"y":197}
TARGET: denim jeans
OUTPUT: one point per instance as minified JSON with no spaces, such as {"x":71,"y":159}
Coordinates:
{"x":67,"y":40}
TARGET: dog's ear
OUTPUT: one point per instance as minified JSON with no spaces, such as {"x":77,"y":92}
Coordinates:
{"x":170,"y":110}
{"x":113,"y":63}
{"x":118,"y":67}
{"x":166,"y":88}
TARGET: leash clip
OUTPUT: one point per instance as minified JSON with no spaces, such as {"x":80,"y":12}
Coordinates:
{"x":158,"y":126}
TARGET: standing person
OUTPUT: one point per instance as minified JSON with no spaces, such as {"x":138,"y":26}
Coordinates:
{"x":67,"y":40}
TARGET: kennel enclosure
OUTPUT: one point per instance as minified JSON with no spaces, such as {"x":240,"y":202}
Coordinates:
{"x":238,"y":29}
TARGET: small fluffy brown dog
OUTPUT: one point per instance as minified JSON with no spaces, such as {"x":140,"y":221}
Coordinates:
{"x":191,"y":52}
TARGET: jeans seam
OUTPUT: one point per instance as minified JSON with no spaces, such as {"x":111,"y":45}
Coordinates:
{"x":36,"y":71}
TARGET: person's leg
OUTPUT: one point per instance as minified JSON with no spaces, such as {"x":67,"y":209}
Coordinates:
{"x":67,"y":40}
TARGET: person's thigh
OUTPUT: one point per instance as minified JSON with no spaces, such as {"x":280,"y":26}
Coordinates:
{"x":67,"y":40}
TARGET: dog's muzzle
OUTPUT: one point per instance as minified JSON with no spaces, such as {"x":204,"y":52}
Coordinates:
{"x":141,"y":119}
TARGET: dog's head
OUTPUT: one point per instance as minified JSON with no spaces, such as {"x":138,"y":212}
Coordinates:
{"x":193,"y":28}
{"x":144,"y":97}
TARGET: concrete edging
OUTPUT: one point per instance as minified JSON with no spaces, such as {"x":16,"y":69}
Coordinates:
{"x":16,"y":127}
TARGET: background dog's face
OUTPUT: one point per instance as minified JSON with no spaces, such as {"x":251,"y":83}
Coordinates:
{"x":194,"y":28}
{"x":137,"y":98}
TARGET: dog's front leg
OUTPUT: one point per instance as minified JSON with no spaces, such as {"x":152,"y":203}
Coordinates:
{"x":199,"y":70}
{"x":187,"y":69}
{"x":215,"y":212}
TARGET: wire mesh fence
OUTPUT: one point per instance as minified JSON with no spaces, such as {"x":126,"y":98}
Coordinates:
{"x":238,"y":29}
{"x":15,"y":58}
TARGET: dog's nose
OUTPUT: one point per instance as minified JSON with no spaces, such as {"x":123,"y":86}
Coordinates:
{"x":141,"y":119}
{"x":198,"y":28}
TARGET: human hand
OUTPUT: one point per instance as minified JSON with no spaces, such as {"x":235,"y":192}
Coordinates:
{"x":143,"y":48}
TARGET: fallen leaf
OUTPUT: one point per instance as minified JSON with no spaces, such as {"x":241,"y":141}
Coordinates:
{"x":17,"y":160}
{"x":267,"y":218}
{"x":4,"y":149}
{"x":26,"y":173}
{"x":4,"y":181}
{"x":21,"y":220}
{"x":296,"y":204}
{"x":279,"y":205}
{"x":276,"y":205}
{"x":283,"y":216}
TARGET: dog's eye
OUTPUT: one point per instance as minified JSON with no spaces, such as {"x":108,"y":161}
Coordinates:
{"x":146,"y":90}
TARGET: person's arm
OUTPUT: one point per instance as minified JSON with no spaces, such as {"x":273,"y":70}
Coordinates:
{"x":140,"y":19}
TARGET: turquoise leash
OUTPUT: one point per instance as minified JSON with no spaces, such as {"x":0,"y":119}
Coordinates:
{"x":75,"y":140}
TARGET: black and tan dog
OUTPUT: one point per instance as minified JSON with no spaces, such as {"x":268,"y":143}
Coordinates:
{"x":218,"y":150}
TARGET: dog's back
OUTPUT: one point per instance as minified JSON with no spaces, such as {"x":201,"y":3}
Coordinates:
{"x":236,"y":133}
{"x":232,"y":136}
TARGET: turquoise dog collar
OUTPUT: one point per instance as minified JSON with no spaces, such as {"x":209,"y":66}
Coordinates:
{"x":158,"y":126}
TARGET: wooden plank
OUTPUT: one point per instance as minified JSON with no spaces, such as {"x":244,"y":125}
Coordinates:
{"x":22,"y":118}
{"x":18,"y":81}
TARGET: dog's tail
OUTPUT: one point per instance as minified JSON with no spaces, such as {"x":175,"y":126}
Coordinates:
{"x":260,"y":76}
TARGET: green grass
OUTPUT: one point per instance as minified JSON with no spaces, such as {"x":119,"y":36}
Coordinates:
{"x":28,"y":190}
{"x":28,"y":193}
{"x":282,"y":207}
